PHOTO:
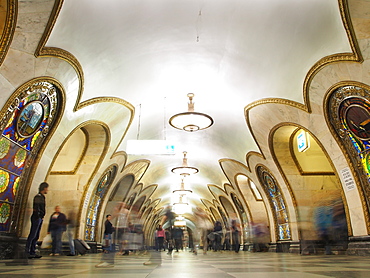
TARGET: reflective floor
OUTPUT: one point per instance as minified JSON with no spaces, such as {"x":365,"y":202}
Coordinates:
{"x":185,"y":264}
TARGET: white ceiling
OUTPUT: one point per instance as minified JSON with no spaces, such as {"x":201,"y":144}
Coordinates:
{"x":229,"y":53}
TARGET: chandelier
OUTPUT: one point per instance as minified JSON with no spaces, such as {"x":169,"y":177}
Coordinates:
{"x":185,"y":170}
{"x":180,"y":207}
{"x":182,"y":189}
{"x":191,"y":121}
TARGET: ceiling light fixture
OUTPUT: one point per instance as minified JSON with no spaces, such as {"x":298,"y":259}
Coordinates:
{"x":180,"y":207}
{"x":191,"y":121}
{"x":185,"y":170}
{"x":182,"y":189}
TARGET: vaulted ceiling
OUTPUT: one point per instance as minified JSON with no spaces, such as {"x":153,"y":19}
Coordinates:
{"x":229,"y":53}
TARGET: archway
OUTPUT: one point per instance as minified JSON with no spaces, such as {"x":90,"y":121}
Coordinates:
{"x":74,"y":167}
{"x":316,"y":188}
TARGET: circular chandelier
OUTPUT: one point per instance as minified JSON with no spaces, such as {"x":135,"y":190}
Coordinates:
{"x":185,"y":170}
{"x":191,"y":121}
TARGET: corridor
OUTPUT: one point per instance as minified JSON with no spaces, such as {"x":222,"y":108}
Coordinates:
{"x":185,"y":264}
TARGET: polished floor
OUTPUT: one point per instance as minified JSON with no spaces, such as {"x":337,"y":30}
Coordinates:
{"x":185,"y":264}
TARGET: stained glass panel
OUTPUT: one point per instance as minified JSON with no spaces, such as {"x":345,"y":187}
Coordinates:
{"x":25,"y":120}
{"x":277,"y":202}
{"x":95,"y":201}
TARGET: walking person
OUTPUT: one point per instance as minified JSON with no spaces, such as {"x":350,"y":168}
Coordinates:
{"x":217,"y":230}
{"x":109,"y":247}
{"x":203,"y":225}
{"x":36,"y":221}
{"x":70,"y":233}
{"x":235,"y":233}
{"x":161,"y":236}
{"x":57,"y":225}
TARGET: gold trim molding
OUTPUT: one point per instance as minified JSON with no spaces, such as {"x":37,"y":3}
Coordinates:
{"x":342,"y":147}
{"x":9,"y":27}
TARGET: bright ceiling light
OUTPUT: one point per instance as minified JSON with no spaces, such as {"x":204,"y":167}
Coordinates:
{"x":185,"y":170}
{"x":182,"y":189}
{"x":191,"y":121}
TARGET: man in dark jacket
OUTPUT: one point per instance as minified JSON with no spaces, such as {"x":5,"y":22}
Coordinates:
{"x":36,"y":221}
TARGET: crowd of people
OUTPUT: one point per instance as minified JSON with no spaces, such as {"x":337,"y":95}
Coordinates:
{"x":124,"y":232}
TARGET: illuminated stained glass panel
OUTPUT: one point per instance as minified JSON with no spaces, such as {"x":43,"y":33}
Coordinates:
{"x":96,"y":199}
{"x":348,"y":110}
{"x":21,"y":129}
{"x":277,"y":202}
{"x":354,"y":114}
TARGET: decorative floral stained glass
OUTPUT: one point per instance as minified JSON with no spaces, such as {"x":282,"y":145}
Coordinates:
{"x":24,"y":123}
{"x":277,"y":202}
{"x":348,"y":110}
{"x":354,"y":114}
{"x":96,"y":199}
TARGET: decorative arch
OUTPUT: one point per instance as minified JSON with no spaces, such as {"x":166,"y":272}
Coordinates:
{"x":97,"y":198}
{"x":277,"y":202}
{"x":348,"y":115}
{"x":28,"y":119}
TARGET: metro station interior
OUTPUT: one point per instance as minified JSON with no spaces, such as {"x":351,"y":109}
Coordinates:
{"x":253,"y":111}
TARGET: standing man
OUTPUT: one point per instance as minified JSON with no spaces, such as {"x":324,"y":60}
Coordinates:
{"x":36,"y":221}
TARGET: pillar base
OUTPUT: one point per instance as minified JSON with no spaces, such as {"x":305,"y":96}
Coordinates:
{"x":359,"y":246}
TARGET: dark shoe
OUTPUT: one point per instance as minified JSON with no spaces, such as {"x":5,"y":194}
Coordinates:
{"x":34,"y":256}
{"x":71,"y":255}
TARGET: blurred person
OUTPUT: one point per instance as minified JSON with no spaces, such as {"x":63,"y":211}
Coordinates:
{"x":161,"y":237}
{"x":57,"y":225}
{"x":235,"y":234}
{"x":178,"y":237}
{"x":227,"y":240}
{"x":169,"y":240}
{"x":155,"y":257}
{"x":203,"y":225}
{"x":70,"y":232}
{"x":37,"y":218}
{"x":323,"y":220}
{"x":121,"y":214}
{"x":339,"y":224}
{"x":259,"y":234}
{"x":218,"y":234}
{"x":136,"y":242}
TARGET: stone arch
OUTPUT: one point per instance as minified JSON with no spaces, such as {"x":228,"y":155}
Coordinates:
{"x":312,"y":179}
{"x":93,"y":138}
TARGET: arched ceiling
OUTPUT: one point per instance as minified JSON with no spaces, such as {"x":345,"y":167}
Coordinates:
{"x":229,"y":53}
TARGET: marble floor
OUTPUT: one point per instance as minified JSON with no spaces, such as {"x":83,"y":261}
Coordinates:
{"x":184,"y":264}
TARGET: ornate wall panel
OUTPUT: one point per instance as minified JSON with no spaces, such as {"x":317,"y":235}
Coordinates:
{"x":26,"y":121}
{"x":277,"y":203}
{"x":94,"y":207}
{"x":348,"y":110}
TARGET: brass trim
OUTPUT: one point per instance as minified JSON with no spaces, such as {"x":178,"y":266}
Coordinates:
{"x":9,"y":28}
{"x":345,"y":153}
{"x":278,"y":165}
{"x":80,"y":159}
